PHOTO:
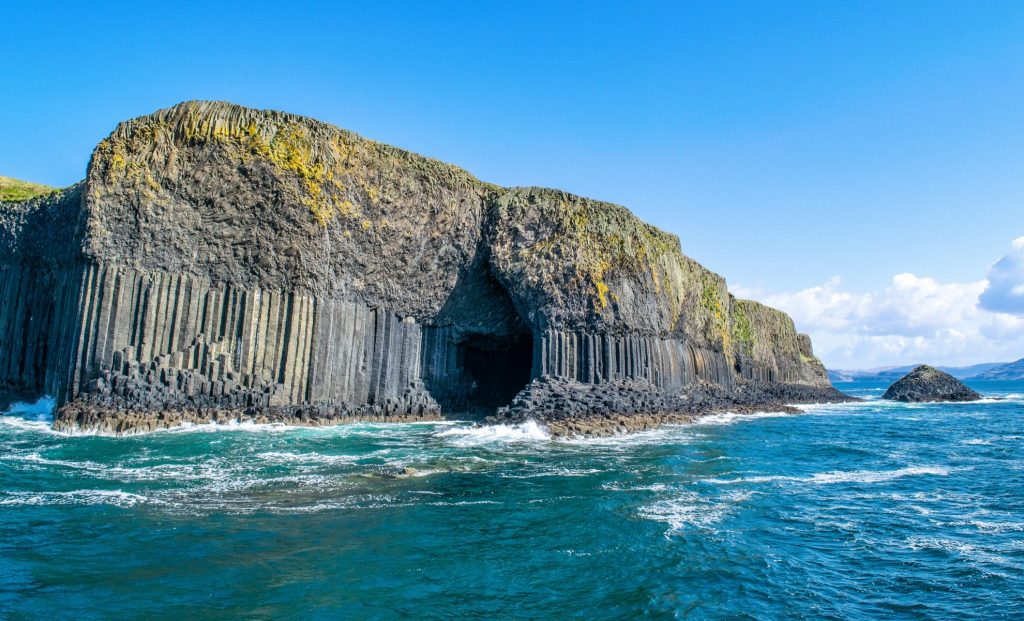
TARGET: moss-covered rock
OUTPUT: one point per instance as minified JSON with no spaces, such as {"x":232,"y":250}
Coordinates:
{"x":220,"y":256}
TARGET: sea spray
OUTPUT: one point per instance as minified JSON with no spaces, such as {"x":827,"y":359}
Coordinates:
{"x":845,"y":509}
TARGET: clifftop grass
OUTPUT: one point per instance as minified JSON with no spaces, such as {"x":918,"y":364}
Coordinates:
{"x":13,"y":190}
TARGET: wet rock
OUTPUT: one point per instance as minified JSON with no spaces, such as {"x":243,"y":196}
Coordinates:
{"x":926,"y":383}
{"x":568,"y":408}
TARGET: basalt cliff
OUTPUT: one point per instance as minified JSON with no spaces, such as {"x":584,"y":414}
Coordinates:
{"x":223,"y":263}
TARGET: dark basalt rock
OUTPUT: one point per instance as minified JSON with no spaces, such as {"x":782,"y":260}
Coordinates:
{"x":574,"y":408}
{"x":927,"y":383}
{"x":220,"y":263}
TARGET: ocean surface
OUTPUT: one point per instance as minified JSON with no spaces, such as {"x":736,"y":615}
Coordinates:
{"x":871,"y":510}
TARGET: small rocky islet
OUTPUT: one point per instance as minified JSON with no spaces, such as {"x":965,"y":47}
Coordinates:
{"x":928,"y":384}
{"x":221,"y":263}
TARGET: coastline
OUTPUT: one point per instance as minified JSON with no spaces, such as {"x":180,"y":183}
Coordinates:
{"x":83,"y":418}
{"x":593,"y":411}
{"x":619,"y":424}
{"x":567,"y":407}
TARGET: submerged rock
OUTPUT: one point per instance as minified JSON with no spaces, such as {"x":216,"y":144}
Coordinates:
{"x":927,"y":383}
{"x":220,"y":262}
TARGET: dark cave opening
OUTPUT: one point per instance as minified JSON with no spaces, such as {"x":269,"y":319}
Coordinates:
{"x":495,"y":368}
{"x":479,"y":353}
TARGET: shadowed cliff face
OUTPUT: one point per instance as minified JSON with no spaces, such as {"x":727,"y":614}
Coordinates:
{"x":222,"y":257}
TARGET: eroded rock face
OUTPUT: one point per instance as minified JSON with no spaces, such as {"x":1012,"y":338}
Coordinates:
{"x":927,"y":383}
{"x":223,"y":258}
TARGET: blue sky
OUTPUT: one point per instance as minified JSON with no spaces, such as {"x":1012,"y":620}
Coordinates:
{"x":787,"y":144}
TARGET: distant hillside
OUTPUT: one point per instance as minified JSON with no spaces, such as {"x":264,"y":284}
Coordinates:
{"x":12,"y":190}
{"x":1008,"y":371}
{"x":891,"y":374}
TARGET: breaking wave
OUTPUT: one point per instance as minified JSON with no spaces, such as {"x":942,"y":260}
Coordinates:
{"x":530,"y":431}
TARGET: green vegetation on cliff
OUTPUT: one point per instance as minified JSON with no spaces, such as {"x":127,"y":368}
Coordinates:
{"x":328,"y":170}
{"x":12,"y":190}
{"x":283,"y":202}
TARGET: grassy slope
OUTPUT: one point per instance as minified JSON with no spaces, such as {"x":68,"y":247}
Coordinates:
{"x":16,"y":190}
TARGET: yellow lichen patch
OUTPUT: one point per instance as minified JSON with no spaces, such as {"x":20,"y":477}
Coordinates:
{"x":599,"y":238}
{"x":117,"y":163}
{"x":288,"y":146}
{"x":602,"y":294}
{"x":323,"y":212}
{"x":151,"y":182}
{"x":348,"y":210}
{"x":373,"y":193}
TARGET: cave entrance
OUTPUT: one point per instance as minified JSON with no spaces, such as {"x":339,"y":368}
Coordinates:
{"x":495,"y":368}
{"x":479,"y":353}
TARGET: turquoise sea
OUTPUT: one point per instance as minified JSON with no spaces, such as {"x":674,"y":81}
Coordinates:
{"x":872,"y":510}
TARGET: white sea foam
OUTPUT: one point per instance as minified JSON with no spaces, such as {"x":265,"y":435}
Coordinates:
{"x":876,"y":476}
{"x":838,"y":476}
{"x":41,"y":409}
{"x":554,"y":472}
{"x":36,"y":458}
{"x":867,"y":403}
{"x":530,"y":431}
{"x":116,"y":498}
{"x":618,"y":487}
{"x":997,"y":527}
{"x":970,"y":552}
{"x":768,"y":478}
{"x":729,"y":418}
{"x":682,"y":512}
{"x":22,"y":424}
{"x":284,"y":457}
{"x":233,"y":425}
{"x":656,"y":435}
{"x":210,"y":470}
{"x":36,"y":416}
{"x":689,"y":509}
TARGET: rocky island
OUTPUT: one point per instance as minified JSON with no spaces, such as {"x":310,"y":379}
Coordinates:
{"x":221,"y":263}
{"x":925,"y":384}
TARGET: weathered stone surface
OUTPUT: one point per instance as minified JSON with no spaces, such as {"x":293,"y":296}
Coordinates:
{"x":570,"y":407}
{"x":927,"y":383}
{"x":222,"y":258}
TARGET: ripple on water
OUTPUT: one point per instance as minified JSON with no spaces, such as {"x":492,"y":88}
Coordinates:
{"x":847,"y":509}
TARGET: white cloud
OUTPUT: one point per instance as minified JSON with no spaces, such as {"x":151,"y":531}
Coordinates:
{"x":913,"y":319}
{"x":1005,"y":292}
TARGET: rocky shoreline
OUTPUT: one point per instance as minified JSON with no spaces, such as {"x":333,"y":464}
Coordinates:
{"x":84,"y":418}
{"x":570,"y":408}
{"x":565,"y":408}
